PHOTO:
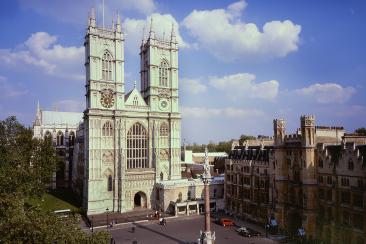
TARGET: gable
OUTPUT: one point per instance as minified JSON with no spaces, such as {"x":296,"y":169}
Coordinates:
{"x":135,"y":99}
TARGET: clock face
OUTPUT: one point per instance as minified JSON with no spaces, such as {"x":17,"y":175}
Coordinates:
{"x":107,"y":99}
{"x":163,"y":105}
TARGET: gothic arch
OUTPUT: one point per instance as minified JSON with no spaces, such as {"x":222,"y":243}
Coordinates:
{"x":60,"y":138}
{"x":140,"y":200}
{"x":164,"y":130}
{"x":107,"y":129}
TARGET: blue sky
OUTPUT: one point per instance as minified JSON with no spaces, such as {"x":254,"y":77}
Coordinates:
{"x":242,"y":63}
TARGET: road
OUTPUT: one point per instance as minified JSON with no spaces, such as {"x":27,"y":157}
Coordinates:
{"x":180,"y":230}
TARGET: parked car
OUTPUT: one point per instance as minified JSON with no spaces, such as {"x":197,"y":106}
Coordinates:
{"x":226,"y":222}
{"x":248,"y":232}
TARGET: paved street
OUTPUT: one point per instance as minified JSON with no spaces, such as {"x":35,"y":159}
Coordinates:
{"x":178,"y":230}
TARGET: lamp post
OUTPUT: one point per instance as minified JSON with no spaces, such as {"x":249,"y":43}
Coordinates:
{"x":92,"y":224}
{"x":207,"y":237}
{"x":107,"y":219}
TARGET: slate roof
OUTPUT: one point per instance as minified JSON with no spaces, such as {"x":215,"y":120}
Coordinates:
{"x":61,"y":118}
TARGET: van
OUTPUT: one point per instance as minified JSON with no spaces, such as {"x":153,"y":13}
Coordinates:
{"x":226,"y":222}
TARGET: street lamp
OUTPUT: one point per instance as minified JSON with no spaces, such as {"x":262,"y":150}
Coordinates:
{"x":207,"y":237}
{"x":107,"y":218}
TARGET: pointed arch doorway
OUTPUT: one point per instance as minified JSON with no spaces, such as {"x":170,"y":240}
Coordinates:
{"x":140,"y":200}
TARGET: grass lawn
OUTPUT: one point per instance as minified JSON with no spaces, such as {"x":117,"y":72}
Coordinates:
{"x":58,"y":200}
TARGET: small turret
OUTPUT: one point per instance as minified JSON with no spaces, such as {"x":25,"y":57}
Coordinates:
{"x":118,"y":24}
{"x":173,"y":37}
{"x":279,"y":131}
{"x":308,"y":130}
{"x":151,"y":33}
{"x":92,"y":21}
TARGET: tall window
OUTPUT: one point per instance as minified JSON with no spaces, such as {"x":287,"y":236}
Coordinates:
{"x":163,"y":73}
{"x":137,"y":147}
{"x":110,"y":183}
{"x":350,"y":164}
{"x":107,"y":129}
{"x":60,"y":139}
{"x":48,"y":136}
{"x":107,"y":66}
{"x":164,"y":129}
{"x":71,"y":138}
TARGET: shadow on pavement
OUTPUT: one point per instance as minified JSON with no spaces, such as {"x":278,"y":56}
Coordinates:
{"x":162,"y":234}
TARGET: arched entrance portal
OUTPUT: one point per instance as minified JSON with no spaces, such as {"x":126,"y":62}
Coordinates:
{"x":140,"y":200}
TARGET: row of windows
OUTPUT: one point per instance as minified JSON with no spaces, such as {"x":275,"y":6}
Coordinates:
{"x":60,"y":138}
{"x":350,"y":164}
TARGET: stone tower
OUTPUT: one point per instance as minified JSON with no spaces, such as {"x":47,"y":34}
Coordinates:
{"x":280,"y":169}
{"x":308,"y":173}
{"x":159,"y":72}
{"x":104,"y":64}
{"x":159,"y":88}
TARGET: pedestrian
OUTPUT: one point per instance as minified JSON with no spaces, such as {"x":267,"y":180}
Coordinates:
{"x":133,"y":229}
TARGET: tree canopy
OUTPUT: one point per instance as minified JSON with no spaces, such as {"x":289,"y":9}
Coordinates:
{"x":26,"y":168}
{"x":222,"y":146}
{"x":361,"y":131}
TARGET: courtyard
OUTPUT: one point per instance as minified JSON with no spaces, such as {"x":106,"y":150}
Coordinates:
{"x":178,"y":230}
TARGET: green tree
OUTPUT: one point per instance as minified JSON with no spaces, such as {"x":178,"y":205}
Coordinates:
{"x":26,"y":168}
{"x":361,"y":131}
{"x":245,"y":138}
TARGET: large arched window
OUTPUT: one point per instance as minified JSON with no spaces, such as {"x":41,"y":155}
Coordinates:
{"x":71,"y":138}
{"x":164,"y":129}
{"x":107,"y":129}
{"x":107,"y":66}
{"x":60,"y":139}
{"x":137,"y":147}
{"x":163,"y":73}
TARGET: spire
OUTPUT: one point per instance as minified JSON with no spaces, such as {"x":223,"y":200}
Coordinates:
{"x":38,"y":114}
{"x":118,"y":24}
{"x":151,"y":33}
{"x":134,"y":85}
{"x":113,"y":27}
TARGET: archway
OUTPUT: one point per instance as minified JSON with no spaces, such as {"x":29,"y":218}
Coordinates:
{"x":140,"y":200}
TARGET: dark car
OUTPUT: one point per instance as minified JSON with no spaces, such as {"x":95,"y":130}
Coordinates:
{"x":248,"y":232}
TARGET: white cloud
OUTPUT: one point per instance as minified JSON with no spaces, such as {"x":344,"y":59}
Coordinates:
{"x":202,"y":112}
{"x":8,"y":90}
{"x":69,"y":105}
{"x":222,"y":33}
{"x":243,"y":85}
{"x":42,"y":51}
{"x":194,"y":86}
{"x":327,"y":92}
{"x":162,"y":26}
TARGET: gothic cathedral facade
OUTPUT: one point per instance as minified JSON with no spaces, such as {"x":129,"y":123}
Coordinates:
{"x":131,"y":140}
